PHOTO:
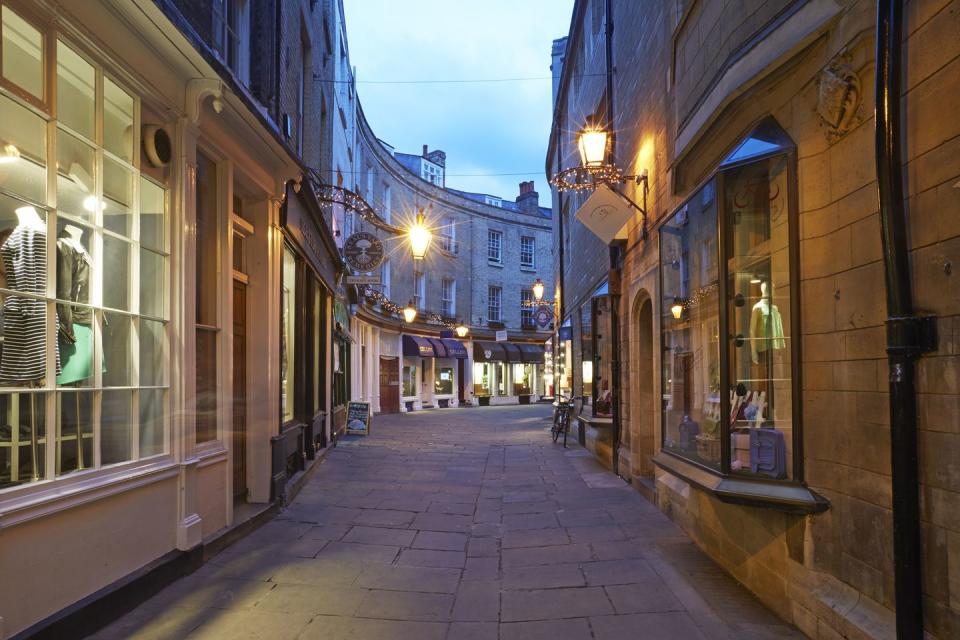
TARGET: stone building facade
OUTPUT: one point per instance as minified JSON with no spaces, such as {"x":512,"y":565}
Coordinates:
{"x":701,"y":93}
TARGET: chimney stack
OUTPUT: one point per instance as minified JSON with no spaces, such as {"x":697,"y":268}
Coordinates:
{"x":529,"y":199}
{"x":424,"y":151}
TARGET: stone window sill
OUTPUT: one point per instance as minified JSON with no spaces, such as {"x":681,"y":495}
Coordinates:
{"x":494,"y":263}
{"x":777,"y":495}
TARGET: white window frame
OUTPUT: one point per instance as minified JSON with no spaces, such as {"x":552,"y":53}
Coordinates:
{"x":385,"y":278}
{"x":231,"y":25}
{"x":448,"y":235}
{"x":419,"y":290}
{"x":448,"y":297}
{"x":494,"y":304}
{"x":495,"y":246}
{"x":526,"y":308}
{"x":531,"y":264}
{"x":386,"y":208}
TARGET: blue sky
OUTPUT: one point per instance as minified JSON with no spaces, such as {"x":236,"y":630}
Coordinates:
{"x":485,"y":128}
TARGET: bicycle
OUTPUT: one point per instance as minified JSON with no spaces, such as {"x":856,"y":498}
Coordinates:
{"x":561,"y":419}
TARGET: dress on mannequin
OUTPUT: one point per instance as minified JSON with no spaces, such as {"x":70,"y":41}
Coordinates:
{"x":24,"y":255}
{"x":766,"y":326}
{"x":73,"y":284}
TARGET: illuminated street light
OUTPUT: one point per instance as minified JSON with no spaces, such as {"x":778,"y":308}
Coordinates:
{"x":419,"y":235}
{"x":462,"y":330}
{"x":538,"y":289}
{"x":676,"y":308}
{"x":410,"y":312}
{"x":592,"y":142}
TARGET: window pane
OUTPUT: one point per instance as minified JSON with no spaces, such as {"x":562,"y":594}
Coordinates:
{"x":151,"y":335}
{"x":76,"y":93}
{"x":288,"y":344}
{"x":22,"y":439}
{"x":151,"y":283}
{"x":74,"y":424}
{"x":481,"y":378}
{"x":74,"y":315}
{"x":208,"y":259}
{"x":117,"y":350}
{"x":206,"y":385}
{"x":116,"y":273}
{"x":151,"y":422}
{"x":152,"y":210}
{"x":76,"y":186}
{"x":410,"y":381}
{"x":117,"y":197}
{"x":443,"y":385}
{"x":116,"y":435}
{"x":23,"y":151}
{"x":22,"y":53}
{"x":758,"y":240}
{"x":690,"y":339}
{"x":117,"y":121}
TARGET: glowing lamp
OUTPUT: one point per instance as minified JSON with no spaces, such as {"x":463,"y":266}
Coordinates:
{"x":676,"y":308}
{"x":538,"y":289}
{"x":410,"y":312}
{"x":462,"y":330}
{"x":419,"y":235}
{"x":592,"y":144}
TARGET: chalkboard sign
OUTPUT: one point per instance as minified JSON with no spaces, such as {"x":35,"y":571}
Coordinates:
{"x":358,"y":418}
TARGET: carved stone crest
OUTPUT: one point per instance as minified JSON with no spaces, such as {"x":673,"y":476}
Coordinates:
{"x":839,"y":98}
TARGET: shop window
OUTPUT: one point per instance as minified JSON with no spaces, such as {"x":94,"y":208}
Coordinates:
{"x":727,"y":315}
{"x":341,"y":372}
{"x":502,"y":380}
{"x":83,"y":369}
{"x":523,"y":375}
{"x":288,"y":336}
{"x":443,"y":385}
{"x":602,"y":350}
{"x":586,"y":352}
{"x":22,"y":53}
{"x":207,"y":294}
{"x":409,"y":380}
{"x":482,"y":378}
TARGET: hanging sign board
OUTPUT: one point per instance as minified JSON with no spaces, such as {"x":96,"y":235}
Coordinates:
{"x":544,"y":316}
{"x":362,"y":279}
{"x":604,"y":214}
{"x":502,"y":336}
{"x":363,"y":252}
{"x":358,"y":418}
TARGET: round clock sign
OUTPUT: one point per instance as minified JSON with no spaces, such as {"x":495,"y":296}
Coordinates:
{"x":363,"y":251}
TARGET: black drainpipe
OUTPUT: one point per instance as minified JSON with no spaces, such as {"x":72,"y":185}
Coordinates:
{"x":908,"y":335}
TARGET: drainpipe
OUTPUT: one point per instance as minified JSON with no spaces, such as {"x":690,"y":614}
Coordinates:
{"x":908,"y":335}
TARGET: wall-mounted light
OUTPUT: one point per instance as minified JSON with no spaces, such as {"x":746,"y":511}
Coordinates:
{"x":676,"y":309}
{"x":410,"y":312}
{"x":592,"y":142}
{"x":419,"y":235}
{"x":462,"y":330}
{"x":538,"y":289}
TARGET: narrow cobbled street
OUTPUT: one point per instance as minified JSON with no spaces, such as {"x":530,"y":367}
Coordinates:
{"x":461,"y":524}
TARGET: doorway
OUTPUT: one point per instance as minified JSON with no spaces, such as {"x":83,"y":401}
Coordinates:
{"x":239,"y":391}
{"x":644,"y":406}
{"x":389,"y":384}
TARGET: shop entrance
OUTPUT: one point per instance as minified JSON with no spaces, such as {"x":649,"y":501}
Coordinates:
{"x":239,"y":391}
{"x":643,"y":403}
{"x":389,"y":384}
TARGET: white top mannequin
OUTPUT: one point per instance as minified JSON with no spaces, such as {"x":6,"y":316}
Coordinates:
{"x":28,"y":217}
{"x":74,"y":234}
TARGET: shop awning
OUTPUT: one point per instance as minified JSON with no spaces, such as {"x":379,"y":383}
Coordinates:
{"x":439,"y":349}
{"x":488,"y":352}
{"x":455,"y":348}
{"x":513,"y":352}
{"x":417,"y":347}
{"x":532,"y":353}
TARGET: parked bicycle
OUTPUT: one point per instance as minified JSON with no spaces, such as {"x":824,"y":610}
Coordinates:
{"x":564,"y":411}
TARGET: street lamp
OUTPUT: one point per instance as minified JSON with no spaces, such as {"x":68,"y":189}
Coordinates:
{"x":419,"y":235}
{"x":462,"y":329}
{"x":676,"y":308}
{"x":410,"y":312}
{"x":593,"y":143}
{"x":538,"y":289}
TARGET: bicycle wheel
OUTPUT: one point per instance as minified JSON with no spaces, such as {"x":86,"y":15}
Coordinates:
{"x":555,"y":429}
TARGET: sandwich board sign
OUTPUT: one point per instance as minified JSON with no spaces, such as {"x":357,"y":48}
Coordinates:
{"x":358,"y":418}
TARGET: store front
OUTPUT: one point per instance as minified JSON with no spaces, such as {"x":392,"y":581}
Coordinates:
{"x":308,"y":270}
{"x":430,"y":375}
{"x":507,"y":372}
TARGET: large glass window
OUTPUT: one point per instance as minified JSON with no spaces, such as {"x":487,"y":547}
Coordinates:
{"x":482,"y":379}
{"x":729,"y":402}
{"x":443,"y":384}
{"x":83,"y":328}
{"x":288,"y":346}
{"x":409,"y":380}
{"x":207,"y":295}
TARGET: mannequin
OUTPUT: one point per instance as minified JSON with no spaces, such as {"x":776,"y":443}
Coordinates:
{"x":24,"y":255}
{"x":73,"y":286}
{"x":766,"y":326}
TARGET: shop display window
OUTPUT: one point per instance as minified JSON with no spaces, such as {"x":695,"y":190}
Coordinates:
{"x":482,"y":378}
{"x":83,"y":314}
{"x":409,"y":380}
{"x":502,"y":371}
{"x":523,"y":379}
{"x":728,"y":315}
{"x":586,"y":352}
{"x":288,"y":346}
{"x":443,"y":385}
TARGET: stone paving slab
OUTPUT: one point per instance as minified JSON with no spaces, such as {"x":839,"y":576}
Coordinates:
{"x":458,"y":524}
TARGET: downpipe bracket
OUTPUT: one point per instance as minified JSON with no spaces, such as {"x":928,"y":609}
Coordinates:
{"x":912,"y":336}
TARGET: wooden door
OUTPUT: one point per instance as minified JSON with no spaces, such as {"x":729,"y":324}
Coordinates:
{"x":239,"y":391}
{"x":389,"y":384}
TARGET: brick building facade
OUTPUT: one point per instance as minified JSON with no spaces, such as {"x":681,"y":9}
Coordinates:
{"x":698,"y":88}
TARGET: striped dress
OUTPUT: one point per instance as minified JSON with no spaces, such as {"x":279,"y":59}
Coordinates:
{"x":23,"y":360}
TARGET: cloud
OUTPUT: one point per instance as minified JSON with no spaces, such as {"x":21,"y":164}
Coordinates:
{"x":489,"y":128}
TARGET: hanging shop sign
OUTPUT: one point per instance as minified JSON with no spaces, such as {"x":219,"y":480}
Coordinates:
{"x":358,"y":418}
{"x":363,"y":251}
{"x":543,"y":316}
